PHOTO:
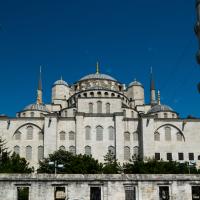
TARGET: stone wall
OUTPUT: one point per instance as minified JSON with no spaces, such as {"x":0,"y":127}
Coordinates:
{"x":112,"y":187}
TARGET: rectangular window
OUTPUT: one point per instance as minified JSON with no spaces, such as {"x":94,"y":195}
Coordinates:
{"x":22,"y":193}
{"x":130,"y":193}
{"x":157,"y":156}
{"x":180,"y":156}
{"x":60,"y":193}
{"x":169,"y":156}
{"x":164,"y":193}
{"x":191,"y":156}
{"x":195,"y":192}
{"x":95,"y":193}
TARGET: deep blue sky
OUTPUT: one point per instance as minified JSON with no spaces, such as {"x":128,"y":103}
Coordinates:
{"x":67,"y":37}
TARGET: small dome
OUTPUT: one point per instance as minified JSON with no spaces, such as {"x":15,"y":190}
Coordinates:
{"x":160,"y":108}
{"x":98,"y":76}
{"x":37,"y":107}
{"x":60,"y":82}
{"x":135,"y":83}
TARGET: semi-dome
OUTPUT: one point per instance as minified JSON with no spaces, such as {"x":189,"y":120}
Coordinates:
{"x":135,"y":83}
{"x":37,"y":107}
{"x":98,"y":76}
{"x":60,"y":82}
{"x":160,"y":108}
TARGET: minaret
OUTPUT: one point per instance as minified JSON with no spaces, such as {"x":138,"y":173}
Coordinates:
{"x":158,"y":97}
{"x":152,"y":90}
{"x":39,"y":90}
{"x":97,"y":68}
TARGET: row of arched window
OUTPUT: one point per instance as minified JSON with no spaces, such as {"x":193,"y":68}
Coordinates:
{"x":127,"y":136}
{"x":127,"y":152}
{"x":28,"y":153}
{"x":63,"y":135}
{"x":29,"y":134}
{"x":99,"y":105}
{"x":168,"y":135}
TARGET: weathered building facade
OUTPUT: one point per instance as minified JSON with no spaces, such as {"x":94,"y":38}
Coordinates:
{"x":98,"y":114}
{"x":100,"y":187}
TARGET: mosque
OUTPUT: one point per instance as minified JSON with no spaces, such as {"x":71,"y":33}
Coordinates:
{"x":97,"y":115}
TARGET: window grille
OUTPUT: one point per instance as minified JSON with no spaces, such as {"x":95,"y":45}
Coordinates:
{"x":71,"y":136}
{"x":87,"y":132}
{"x":127,"y":136}
{"x":107,"y":108}
{"x":28,"y":152}
{"x":29,"y":133}
{"x":167,"y":133}
{"x":180,"y":156}
{"x":40,"y":152}
{"x":88,"y":150}
{"x":169,"y":156}
{"x":99,"y":133}
{"x":90,"y":107}
{"x":195,"y":192}
{"x":191,"y":156}
{"x":130,"y":193}
{"x":62,"y":135}
{"x":99,"y":107}
{"x":157,"y":156}
{"x":111,"y":133}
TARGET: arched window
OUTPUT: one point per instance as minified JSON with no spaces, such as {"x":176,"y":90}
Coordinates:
{"x":62,"y":148}
{"x":156,"y":136}
{"x":32,"y":114}
{"x":167,"y":133}
{"x":88,"y":150}
{"x":72,"y":150}
{"x":106,"y":94}
{"x":179,"y":136}
{"x":111,"y":150}
{"x":99,"y":133}
{"x":17,"y":150}
{"x":28,"y":152}
{"x":165,"y":115}
{"x":135,"y":136}
{"x":111,"y":133}
{"x":156,"y":115}
{"x":65,"y":113}
{"x":87,"y":132}
{"x":107,"y":107}
{"x":126,"y":153}
{"x":99,"y":107}
{"x":127,"y":136}
{"x":99,"y":94}
{"x":62,"y":135}
{"x":29,"y":133}
{"x":71,"y":135}
{"x":40,"y":152}
{"x":90,"y":107}
{"x":41,"y":136}
{"x":17,"y":135}
{"x":135,"y":152}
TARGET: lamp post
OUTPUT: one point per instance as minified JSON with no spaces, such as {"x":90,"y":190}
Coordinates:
{"x":56,"y":165}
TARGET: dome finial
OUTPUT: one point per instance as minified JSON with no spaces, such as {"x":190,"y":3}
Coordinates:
{"x":158,"y":97}
{"x":97,"y":68}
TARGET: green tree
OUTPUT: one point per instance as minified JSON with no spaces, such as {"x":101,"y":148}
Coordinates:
{"x":111,"y":165}
{"x":73,"y":164}
{"x":12,"y":163}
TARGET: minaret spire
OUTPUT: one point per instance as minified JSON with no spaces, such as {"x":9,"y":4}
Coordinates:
{"x":97,"y":68}
{"x":152,"y":89}
{"x":39,"y":90}
{"x":158,"y":97}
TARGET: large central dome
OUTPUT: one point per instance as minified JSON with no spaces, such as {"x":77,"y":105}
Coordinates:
{"x":98,"y":76}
